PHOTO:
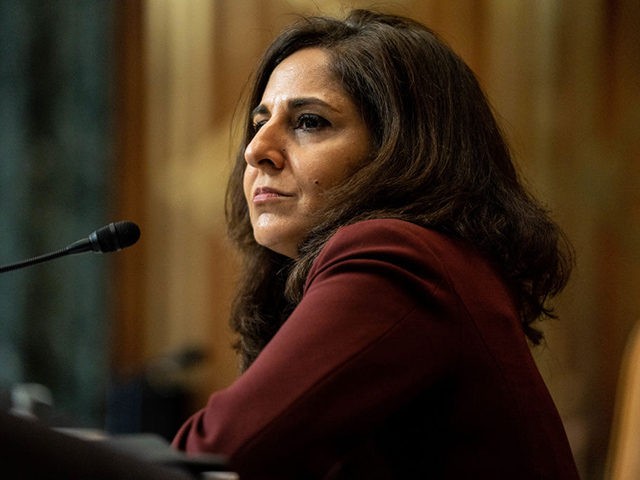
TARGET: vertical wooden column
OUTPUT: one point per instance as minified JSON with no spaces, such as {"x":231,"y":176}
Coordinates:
{"x":185,"y":161}
{"x":129,"y":186}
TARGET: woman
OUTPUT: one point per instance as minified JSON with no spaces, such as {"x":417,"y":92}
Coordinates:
{"x":394,"y":268}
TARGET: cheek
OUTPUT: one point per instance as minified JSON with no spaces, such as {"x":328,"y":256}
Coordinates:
{"x":325,"y":179}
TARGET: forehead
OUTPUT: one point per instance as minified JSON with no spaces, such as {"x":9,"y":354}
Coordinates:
{"x":304,"y":71}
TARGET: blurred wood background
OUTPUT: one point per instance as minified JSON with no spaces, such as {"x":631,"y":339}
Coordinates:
{"x":564,"y":77}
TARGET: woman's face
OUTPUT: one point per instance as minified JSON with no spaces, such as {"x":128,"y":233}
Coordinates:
{"x":309,"y":137}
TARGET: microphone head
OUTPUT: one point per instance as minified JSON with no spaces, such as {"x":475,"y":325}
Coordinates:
{"x":115,"y":236}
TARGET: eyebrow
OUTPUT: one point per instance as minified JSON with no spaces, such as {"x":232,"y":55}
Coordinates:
{"x":293,"y":104}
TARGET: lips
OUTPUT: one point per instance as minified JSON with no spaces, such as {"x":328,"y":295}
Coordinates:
{"x":265,"y":194}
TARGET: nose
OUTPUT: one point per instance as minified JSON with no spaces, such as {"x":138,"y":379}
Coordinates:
{"x":266,"y":148}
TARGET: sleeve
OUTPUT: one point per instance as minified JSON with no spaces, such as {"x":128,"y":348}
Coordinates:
{"x":367,"y":335}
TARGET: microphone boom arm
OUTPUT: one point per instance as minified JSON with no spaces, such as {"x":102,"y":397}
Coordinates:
{"x":109,"y":238}
{"x":39,"y":259}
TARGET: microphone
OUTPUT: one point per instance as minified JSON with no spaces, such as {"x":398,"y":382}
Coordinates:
{"x":112,"y":237}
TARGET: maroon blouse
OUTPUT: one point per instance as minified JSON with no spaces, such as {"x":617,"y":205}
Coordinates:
{"x":404,"y":359}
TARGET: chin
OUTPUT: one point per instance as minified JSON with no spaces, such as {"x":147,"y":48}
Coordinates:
{"x":279,"y":248}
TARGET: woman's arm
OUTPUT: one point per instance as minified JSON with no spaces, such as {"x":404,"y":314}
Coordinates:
{"x":375,"y":327}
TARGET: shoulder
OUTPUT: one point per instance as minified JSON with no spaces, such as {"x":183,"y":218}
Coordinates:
{"x":404,"y":250}
{"x":395,"y":239}
{"x":382,"y":244}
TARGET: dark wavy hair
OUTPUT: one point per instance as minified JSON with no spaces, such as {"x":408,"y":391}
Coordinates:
{"x":440,"y":161}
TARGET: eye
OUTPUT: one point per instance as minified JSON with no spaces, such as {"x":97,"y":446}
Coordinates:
{"x":310,"y":121}
{"x":257,"y":124}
